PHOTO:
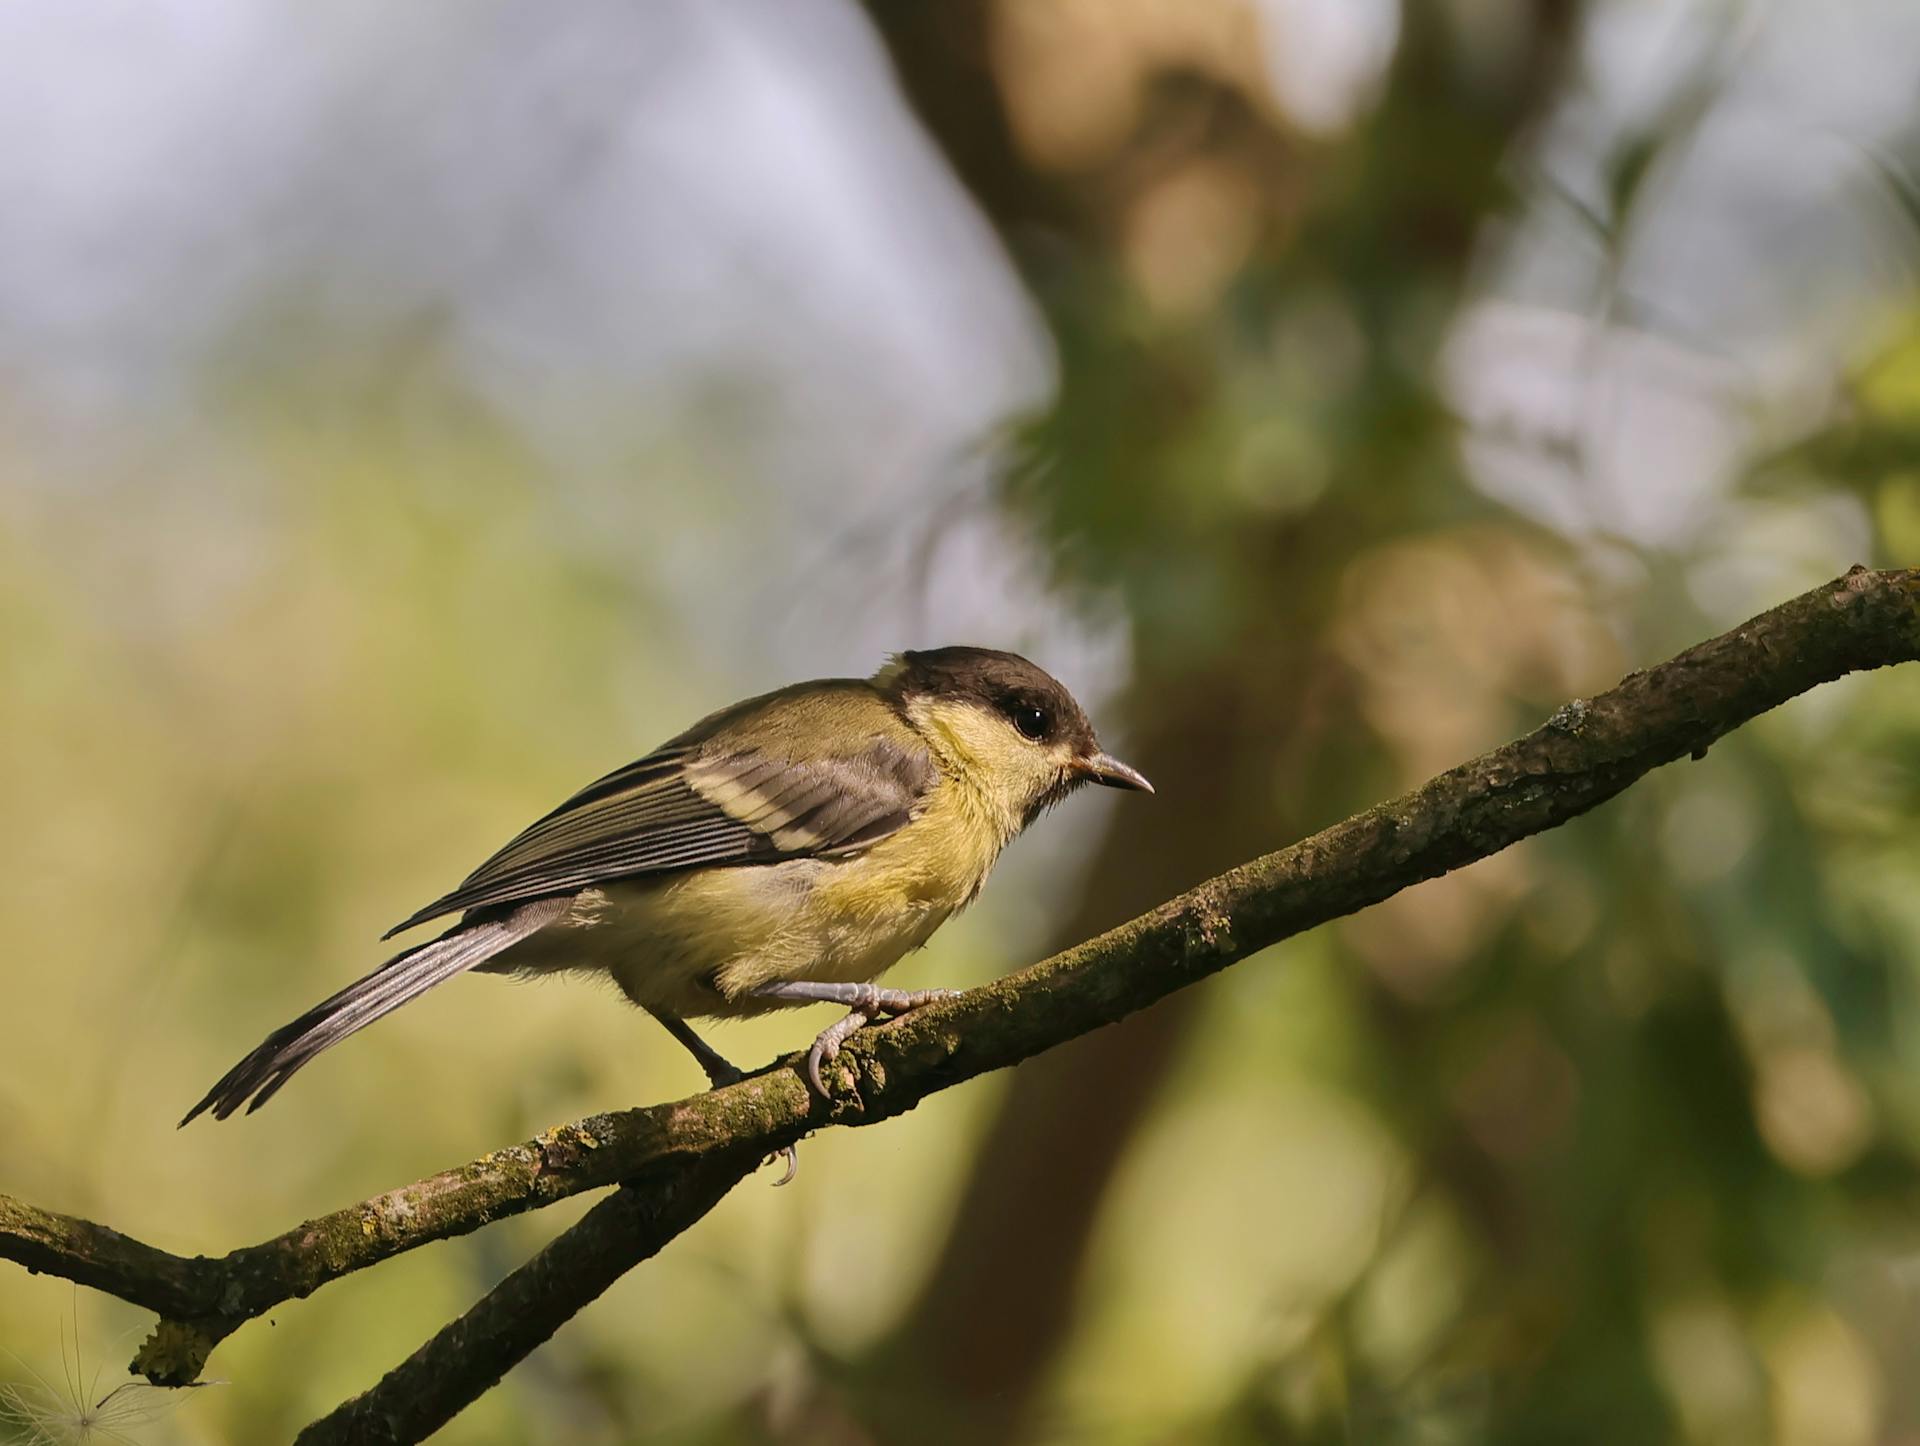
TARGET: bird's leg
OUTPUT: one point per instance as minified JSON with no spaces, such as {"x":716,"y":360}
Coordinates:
{"x":870,"y":999}
{"x":864,"y":1002}
{"x":721,"y":1072}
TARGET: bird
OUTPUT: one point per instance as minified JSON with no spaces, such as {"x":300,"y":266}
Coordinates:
{"x":784,"y":851}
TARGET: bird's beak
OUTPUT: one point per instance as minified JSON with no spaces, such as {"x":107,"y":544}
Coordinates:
{"x":1105,"y":768}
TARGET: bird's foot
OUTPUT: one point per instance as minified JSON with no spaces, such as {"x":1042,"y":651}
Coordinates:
{"x":792,"y":1157}
{"x":826,"y":1047}
{"x":721,"y":1072}
{"x":724,"y":1074}
{"x":866,"y":1003}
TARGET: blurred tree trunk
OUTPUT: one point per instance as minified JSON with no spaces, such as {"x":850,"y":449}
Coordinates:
{"x":1238,"y":728}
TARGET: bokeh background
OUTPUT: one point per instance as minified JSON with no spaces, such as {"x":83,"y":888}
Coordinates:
{"x":410,"y":412}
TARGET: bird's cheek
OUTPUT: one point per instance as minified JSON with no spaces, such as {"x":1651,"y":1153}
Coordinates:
{"x":1047,"y":792}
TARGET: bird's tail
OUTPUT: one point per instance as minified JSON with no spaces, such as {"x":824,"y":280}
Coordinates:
{"x":407,"y":975}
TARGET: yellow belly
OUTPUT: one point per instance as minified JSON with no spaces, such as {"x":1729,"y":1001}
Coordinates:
{"x":696,"y":944}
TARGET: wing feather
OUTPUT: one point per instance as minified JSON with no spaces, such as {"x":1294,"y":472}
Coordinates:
{"x":688,"y":806}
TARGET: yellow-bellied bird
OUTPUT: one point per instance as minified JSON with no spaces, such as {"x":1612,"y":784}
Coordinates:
{"x":787,"y":850}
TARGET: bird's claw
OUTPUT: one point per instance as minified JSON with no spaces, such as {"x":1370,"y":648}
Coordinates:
{"x":826,"y":1047}
{"x":792,"y":1157}
{"x":874,"y":1003}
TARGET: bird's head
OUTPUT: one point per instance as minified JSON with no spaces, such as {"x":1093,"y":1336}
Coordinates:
{"x":1010,"y":727}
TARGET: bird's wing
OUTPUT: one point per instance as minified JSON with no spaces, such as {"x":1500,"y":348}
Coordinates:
{"x":687,"y":806}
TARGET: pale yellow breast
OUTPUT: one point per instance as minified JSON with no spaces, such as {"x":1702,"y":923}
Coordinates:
{"x":694,"y":944}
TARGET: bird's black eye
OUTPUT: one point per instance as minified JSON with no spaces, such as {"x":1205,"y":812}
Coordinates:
{"x":1031,"y":721}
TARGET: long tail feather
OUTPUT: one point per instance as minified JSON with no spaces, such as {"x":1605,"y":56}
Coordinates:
{"x":406,"y":976}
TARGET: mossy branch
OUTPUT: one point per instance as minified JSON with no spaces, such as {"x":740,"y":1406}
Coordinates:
{"x":691,"y":1151}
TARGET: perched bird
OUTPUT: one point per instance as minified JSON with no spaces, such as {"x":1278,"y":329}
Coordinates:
{"x":784,"y":851}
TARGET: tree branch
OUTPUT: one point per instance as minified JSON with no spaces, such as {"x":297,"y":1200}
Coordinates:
{"x":468,"y":1357}
{"x":79,"y":1250}
{"x":677,"y":1153}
